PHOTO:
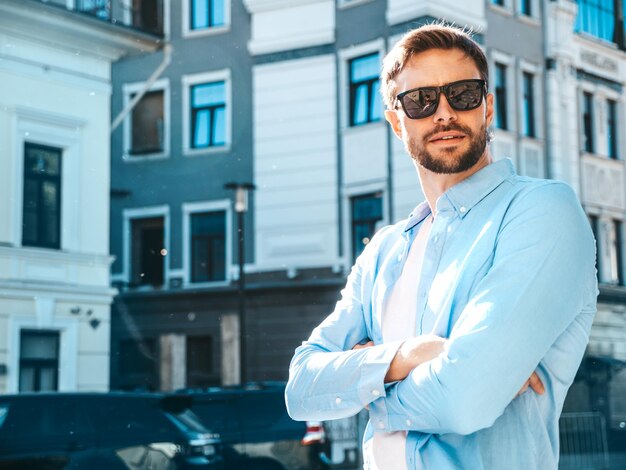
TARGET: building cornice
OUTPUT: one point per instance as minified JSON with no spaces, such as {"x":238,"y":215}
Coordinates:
{"x":48,"y":25}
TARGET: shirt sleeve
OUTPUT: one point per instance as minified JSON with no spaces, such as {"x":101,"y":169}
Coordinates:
{"x":541,"y":282}
{"x":329,"y":380}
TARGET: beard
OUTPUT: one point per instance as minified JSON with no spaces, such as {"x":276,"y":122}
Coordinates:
{"x":416,"y":148}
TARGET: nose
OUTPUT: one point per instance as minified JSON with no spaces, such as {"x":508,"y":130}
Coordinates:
{"x":444,"y":111}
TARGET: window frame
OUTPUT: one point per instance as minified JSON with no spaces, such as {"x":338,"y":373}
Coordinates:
{"x":188,"y":82}
{"x":344,"y":57}
{"x":348,"y":193}
{"x":588,"y":145}
{"x":612,"y":122}
{"x":129,"y":89}
{"x":506,"y":115}
{"x":377,"y":222}
{"x":39,"y":363}
{"x":618,"y":24}
{"x":190,"y":208}
{"x":189,"y":32}
{"x":372,"y":86}
{"x":59,"y":202}
{"x":130,"y":214}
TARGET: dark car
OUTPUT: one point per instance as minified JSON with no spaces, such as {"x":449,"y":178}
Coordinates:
{"x":103,"y":431}
{"x":256,"y":431}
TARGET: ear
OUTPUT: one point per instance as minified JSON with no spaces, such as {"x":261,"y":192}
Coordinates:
{"x":489,"y":110}
{"x":394,"y":121}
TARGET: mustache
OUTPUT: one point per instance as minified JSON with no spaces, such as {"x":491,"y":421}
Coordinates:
{"x":447,"y":128}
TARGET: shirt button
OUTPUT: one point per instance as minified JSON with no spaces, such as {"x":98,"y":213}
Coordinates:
{"x":381,"y":425}
{"x":436,"y":238}
{"x":463,"y":209}
{"x":338,"y":401}
{"x":408,"y":422}
{"x":376,"y":393}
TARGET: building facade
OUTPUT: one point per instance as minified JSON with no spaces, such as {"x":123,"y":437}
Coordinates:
{"x":284,"y":94}
{"x":55,"y":292}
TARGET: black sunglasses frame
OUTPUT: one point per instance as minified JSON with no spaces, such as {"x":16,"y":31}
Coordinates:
{"x":439,"y":90}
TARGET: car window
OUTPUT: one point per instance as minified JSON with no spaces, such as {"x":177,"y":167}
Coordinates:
{"x":44,"y":421}
{"x":124,"y":417}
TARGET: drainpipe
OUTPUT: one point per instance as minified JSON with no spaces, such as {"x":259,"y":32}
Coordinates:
{"x":167,"y":59}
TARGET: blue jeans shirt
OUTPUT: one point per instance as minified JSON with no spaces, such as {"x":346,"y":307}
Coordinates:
{"x":509,"y":277}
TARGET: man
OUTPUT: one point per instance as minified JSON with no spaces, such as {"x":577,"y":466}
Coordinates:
{"x":451,"y":311}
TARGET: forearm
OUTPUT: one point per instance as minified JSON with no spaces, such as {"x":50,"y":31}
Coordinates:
{"x":331,"y":385}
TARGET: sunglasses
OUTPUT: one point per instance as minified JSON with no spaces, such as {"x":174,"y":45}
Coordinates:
{"x":463,"y":95}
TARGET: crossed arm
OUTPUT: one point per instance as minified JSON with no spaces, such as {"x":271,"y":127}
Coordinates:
{"x":532,"y":296}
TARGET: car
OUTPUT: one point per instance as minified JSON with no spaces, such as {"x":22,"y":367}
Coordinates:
{"x":56,"y":430}
{"x":255,"y":429}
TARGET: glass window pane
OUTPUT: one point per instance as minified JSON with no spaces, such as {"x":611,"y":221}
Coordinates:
{"x":147,"y":124}
{"x":27,"y":379}
{"x":208,"y":94}
{"x":360,"y":105}
{"x":217,"y":12}
{"x":201,"y":129}
{"x":199,"y":13}
{"x":364,"y":68}
{"x":39,"y":346}
{"x":47,"y":379}
{"x":219,"y":127}
{"x":376,"y":105}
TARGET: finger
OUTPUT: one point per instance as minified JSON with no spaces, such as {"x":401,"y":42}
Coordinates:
{"x":364,"y":345}
{"x":536,"y":384}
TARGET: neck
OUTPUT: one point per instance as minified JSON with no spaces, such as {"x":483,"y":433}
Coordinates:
{"x":435,"y":184}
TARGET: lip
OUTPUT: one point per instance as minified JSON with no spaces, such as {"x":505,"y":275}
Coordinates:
{"x":437,"y":138}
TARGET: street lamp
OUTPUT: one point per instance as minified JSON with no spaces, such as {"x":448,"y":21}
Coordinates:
{"x":241,"y":207}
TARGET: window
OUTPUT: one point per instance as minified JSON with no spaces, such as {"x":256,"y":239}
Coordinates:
{"x":614,"y":245}
{"x":208,"y":246}
{"x":200,"y":371}
{"x":207,"y":13}
{"x":148,"y":251}
{"x":611,"y":129}
{"x":525,"y":7}
{"x":498,"y":2}
{"x":366,"y":211}
{"x":588,"y":122}
{"x":39,"y":361}
{"x":147,"y":124}
{"x":148,"y":15}
{"x":99,"y":8}
{"x":501,"y":108}
{"x":41,"y":214}
{"x":528,"y":106}
{"x":365,"y":102}
{"x":208,"y":115}
{"x":602,"y":19}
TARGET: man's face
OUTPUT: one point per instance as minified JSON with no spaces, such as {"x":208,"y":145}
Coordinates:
{"x":449,"y":141}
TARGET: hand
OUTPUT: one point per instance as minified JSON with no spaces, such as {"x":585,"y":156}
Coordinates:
{"x":413,"y":352}
{"x":369,"y":344}
{"x":533,"y":382}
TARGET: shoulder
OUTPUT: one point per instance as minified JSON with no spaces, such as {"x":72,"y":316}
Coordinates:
{"x":548,"y":197}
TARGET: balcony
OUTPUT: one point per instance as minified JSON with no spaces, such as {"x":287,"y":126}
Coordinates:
{"x":143,"y":15}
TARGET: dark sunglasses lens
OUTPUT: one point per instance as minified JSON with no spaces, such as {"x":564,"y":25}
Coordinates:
{"x":420,"y":103}
{"x":465,"y":95}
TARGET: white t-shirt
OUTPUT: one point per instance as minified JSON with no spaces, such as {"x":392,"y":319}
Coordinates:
{"x":387,"y":450}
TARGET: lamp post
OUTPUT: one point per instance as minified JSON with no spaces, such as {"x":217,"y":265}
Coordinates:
{"x":241,"y":207}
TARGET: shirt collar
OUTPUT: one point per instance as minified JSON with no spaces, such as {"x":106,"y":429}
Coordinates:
{"x":466,"y":194}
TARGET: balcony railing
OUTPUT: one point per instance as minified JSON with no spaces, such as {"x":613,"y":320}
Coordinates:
{"x":142,"y":15}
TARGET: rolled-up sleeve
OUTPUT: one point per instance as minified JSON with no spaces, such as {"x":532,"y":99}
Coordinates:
{"x":541,"y":283}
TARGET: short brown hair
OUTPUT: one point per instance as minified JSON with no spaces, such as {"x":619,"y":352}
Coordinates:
{"x":422,"y":39}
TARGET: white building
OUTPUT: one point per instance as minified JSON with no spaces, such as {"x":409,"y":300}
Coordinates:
{"x":55,"y":126}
